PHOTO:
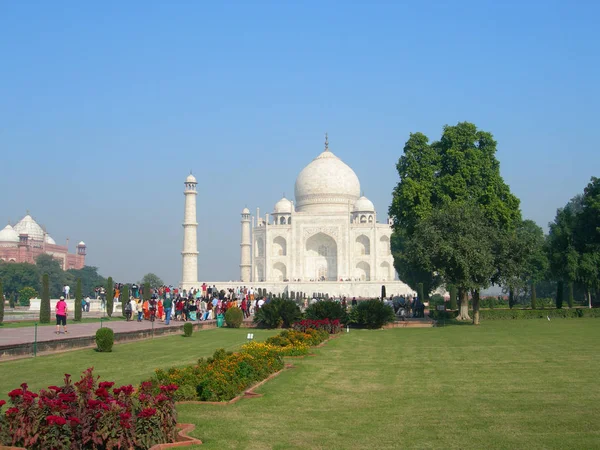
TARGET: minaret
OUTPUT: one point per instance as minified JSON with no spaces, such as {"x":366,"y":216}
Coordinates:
{"x":245,"y":258}
{"x":190,"y":236}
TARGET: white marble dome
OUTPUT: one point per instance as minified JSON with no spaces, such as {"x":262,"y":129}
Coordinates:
{"x":191,"y":179}
{"x":8,"y":237}
{"x":49,"y":240}
{"x":327,"y":184}
{"x":81,"y":244}
{"x":30,"y":227}
{"x":245,"y":211}
{"x":283,"y":206}
{"x":363,"y":204}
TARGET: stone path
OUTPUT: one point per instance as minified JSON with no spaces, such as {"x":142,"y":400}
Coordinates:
{"x":15,"y":336}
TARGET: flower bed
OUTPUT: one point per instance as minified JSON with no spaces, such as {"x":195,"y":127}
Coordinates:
{"x":89,"y":415}
{"x":330,"y":326}
{"x":223,"y":376}
{"x":297,"y":343}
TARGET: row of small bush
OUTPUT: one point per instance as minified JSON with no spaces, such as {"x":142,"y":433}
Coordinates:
{"x":223,"y":376}
{"x":329,"y":326}
{"x":281,"y":313}
{"x":510,"y":314}
{"x":89,"y":415}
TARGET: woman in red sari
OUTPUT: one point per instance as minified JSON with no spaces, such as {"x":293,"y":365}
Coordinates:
{"x":161,"y":309}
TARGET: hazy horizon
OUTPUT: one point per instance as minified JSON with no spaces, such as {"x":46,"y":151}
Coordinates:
{"x":107,"y":107}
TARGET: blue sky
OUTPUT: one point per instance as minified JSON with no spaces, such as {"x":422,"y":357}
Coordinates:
{"x":106,"y":106}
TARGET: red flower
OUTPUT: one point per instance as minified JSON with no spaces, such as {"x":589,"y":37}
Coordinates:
{"x":146,"y":385}
{"x":55,"y":388}
{"x":125,"y":416}
{"x":161,"y":398}
{"x":24,"y":386}
{"x":106,"y":384}
{"x":127,"y":389}
{"x":74,"y":421}
{"x":93,"y":403}
{"x":15,"y":393}
{"x":169,"y":388}
{"x":56,"y":420}
{"x":102,"y":392}
{"x":11,"y":411}
{"x":148,"y":412}
{"x":2,"y":403}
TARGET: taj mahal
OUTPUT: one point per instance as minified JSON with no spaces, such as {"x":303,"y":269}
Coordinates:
{"x":329,"y":240}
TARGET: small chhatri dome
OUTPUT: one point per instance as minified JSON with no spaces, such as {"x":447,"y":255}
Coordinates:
{"x":81,"y":244}
{"x":8,"y":234}
{"x":49,"y":240}
{"x":283,"y":206}
{"x":30,"y":227}
{"x":191,"y":179}
{"x":245,"y":211}
{"x":363,"y":204}
{"x":327,"y":184}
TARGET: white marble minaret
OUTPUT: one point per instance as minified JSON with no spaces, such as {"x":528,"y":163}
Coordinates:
{"x":246,"y":259}
{"x":190,"y":236}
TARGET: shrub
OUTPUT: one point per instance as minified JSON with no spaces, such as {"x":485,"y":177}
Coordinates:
{"x":188,"y":328}
{"x":512,"y":314}
{"x":234,"y":317}
{"x":326,"y":310}
{"x":105,"y":338}
{"x":372,"y":314}
{"x":45,"y":303}
{"x":435,"y":300}
{"x":110,"y":293}
{"x":277,"y":313}
{"x":78,"y":298}
{"x":88,"y":414}
{"x":25,"y":295}
{"x":1,"y":303}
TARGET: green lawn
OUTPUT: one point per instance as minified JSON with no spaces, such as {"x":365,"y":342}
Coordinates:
{"x":510,"y":384}
{"x":506,"y":384}
{"x":30,"y":323}
{"x":128,"y":363}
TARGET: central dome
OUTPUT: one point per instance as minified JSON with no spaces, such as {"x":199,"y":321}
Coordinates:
{"x":327,"y":184}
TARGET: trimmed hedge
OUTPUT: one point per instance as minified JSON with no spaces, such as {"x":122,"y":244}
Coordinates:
{"x":188,"y":328}
{"x":105,"y":338}
{"x":372,"y":314}
{"x":326,"y":309}
{"x":234,"y":317}
{"x":511,"y":314}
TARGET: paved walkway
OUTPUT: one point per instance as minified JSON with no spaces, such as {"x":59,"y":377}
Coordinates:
{"x":15,"y":336}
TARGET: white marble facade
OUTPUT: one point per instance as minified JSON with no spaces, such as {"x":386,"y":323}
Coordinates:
{"x":330,"y":234}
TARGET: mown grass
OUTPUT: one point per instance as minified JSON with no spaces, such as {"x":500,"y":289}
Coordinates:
{"x":522,"y":384}
{"x":127,"y":363}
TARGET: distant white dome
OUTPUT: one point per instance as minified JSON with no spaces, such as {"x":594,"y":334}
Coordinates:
{"x":191,"y":179}
{"x":327,"y":184}
{"x":30,"y":227}
{"x":8,"y":237}
{"x":81,"y":244}
{"x":49,"y":240}
{"x":245,"y":211}
{"x":283,"y":206}
{"x":363,"y":204}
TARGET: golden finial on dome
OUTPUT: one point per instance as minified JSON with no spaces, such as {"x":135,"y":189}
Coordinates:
{"x":326,"y":142}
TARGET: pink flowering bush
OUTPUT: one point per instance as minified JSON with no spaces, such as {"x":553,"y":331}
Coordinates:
{"x":89,"y":414}
{"x":331,"y":326}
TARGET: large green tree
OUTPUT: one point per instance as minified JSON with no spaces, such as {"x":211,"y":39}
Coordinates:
{"x":16,"y":276}
{"x":47,"y":264}
{"x":457,"y":240}
{"x":153,"y":280}
{"x":90,"y":279}
{"x":45,"y":301}
{"x":461,"y":168}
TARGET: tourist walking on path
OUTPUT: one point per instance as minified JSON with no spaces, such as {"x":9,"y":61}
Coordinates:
{"x":168,"y":304}
{"x":61,"y":315}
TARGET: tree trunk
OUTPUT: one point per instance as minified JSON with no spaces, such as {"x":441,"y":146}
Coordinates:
{"x":511,"y":297}
{"x":533,"y":296}
{"x":589,"y":291}
{"x":463,"y":312}
{"x":476,"y":307}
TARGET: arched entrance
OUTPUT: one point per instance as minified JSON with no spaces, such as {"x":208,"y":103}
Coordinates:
{"x":320,"y":258}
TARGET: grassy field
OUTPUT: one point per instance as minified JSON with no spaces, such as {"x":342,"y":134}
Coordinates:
{"x":128,"y":363}
{"x":506,"y":385}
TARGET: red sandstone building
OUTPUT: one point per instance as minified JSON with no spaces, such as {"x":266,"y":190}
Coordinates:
{"x":26,"y":240}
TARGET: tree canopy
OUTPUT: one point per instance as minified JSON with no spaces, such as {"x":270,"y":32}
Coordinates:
{"x":153,"y":280}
